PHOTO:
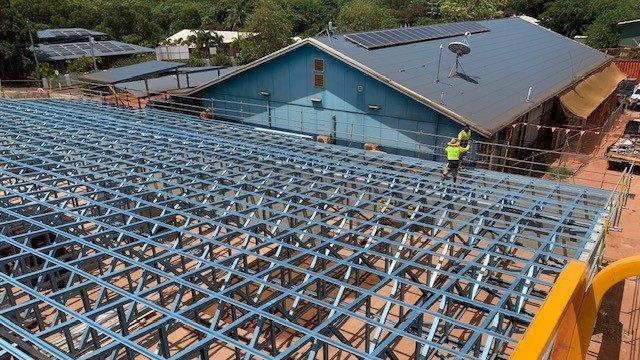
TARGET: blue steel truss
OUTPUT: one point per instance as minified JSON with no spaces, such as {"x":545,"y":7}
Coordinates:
{"x":149,"y":234}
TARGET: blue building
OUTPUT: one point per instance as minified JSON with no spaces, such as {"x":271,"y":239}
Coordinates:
{"x":400,"y":88}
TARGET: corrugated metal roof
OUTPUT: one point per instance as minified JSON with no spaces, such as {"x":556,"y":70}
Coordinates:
{"x":504,"y":62}
{"x":170,"y":83}
{"x":131,"y":72}
{"x":76,"y":50}
{"x":629,"y":67}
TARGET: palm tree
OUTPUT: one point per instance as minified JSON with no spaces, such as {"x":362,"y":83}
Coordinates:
{"x":237,"y":13}
{"x":203,"y":40}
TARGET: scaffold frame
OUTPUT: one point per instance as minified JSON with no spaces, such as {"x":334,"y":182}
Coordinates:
{"x":149,"y":234}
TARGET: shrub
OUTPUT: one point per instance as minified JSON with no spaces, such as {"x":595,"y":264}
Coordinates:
{"x":221,"y":59}
{"x":82,"y":64}
{"x":196,"y":61}
{"x":560,"y":172}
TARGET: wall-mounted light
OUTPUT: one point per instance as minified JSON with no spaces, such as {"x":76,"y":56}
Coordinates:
{"x":360,"y":88}
{"x":374,"y":107}
{"x":265,"y":93}
{"x":315,"y":100}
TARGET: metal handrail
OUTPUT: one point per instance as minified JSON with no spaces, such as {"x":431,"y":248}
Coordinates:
{"x":500,"y":160}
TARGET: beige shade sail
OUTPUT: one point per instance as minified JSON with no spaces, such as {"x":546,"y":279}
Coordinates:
{"x":583,"y":99}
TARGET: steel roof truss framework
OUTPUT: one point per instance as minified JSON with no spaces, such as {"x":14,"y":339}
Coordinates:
{"x":150,"y":233}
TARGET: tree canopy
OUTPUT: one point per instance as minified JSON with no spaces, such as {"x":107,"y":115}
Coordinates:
{"x":273,"y":28}
{"x":359,"y":15}
{"x":149,"y":22}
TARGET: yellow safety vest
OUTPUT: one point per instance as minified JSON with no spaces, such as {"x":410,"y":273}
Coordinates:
{"x":464,"y":136}
{"x":455,"y":151}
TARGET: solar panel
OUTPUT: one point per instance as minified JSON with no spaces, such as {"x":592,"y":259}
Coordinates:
{"x":80,"y":49}
{"x":393,"y":37}
{"x":66,"y":33}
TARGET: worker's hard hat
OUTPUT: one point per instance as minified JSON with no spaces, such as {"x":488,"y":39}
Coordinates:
{"x":453,"y":141}
{"x":208,"y":110}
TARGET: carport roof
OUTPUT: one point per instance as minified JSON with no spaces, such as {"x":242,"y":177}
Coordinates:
{"x":132,"y":72}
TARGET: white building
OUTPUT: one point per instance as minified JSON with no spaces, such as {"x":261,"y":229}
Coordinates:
{"x":180,"y":49}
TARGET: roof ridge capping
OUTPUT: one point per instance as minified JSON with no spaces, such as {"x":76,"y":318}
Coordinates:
{"x":629,"y":22}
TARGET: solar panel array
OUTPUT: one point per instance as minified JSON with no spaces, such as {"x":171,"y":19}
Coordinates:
{"x":393,"y":37}
{"x":80,"y":49}
{"x":67,"y":33}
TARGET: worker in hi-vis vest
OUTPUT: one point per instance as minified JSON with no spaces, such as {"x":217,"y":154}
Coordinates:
{"x":454,"y":153}
{"x":464,"y":136}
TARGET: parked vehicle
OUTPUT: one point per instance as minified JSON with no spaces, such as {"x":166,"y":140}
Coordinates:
{"x":625,"y":90}
{"x":626,"y":150}
{"x":634,"y":99}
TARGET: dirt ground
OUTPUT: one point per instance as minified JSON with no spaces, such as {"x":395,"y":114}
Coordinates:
{"x":617,"y":332}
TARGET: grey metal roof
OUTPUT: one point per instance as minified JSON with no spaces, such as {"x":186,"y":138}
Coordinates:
{"x":132,"y":72}
{"x":504,"y":62}
{"x":170,"y":83}
{"x":629,"y":22}
{"x":65,"y":33}
{"x":75,"y":50}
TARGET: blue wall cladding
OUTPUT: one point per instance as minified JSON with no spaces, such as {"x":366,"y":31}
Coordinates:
{"x":340,"y":108}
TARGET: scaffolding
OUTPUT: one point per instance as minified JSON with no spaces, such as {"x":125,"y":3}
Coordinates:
{"x":148,"y":234}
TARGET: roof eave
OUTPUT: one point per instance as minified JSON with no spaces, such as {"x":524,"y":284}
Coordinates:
{"x":559,"y":90}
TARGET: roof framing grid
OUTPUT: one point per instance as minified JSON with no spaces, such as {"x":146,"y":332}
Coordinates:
{"x":127,"y":233}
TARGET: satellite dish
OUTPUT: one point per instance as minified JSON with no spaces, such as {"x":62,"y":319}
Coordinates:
{"x":459,"y":48}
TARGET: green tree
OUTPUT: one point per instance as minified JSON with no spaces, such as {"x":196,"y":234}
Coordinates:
{"x":361,"y":15}
{"x":273,"y":27}
{"x":135,"y":59}
{"x":533,"y":8}
{"x":603,"y":33}
{"x":572,"y":17}
{"x":418,"y":13}
{"x":9,"y":39}
{"x":309,"y":17}
{"x":237,"y":13}
{"x":463,"y":10}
